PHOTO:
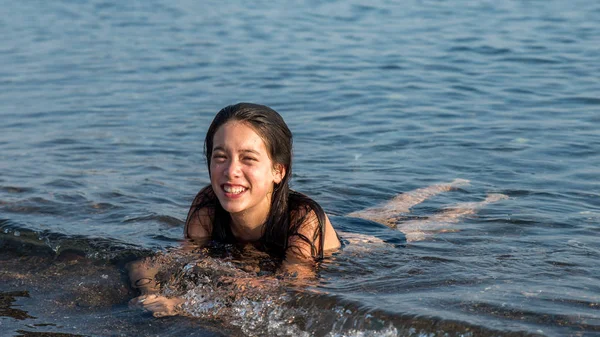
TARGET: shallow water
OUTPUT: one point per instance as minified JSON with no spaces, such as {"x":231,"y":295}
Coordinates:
{"x":105,"y":105}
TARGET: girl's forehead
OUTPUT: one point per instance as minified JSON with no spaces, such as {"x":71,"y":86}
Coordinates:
{"x":236,"y":134}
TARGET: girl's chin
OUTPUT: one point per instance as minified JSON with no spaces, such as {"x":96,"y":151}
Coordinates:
{"x":231,"y":206}
{"x":233,"y":210}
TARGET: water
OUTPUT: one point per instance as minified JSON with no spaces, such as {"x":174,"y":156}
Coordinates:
{"x":105,"y":105}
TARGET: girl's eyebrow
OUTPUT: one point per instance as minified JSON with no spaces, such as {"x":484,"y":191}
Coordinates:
{"x":220,"y":148}
{"x":250,"y":151}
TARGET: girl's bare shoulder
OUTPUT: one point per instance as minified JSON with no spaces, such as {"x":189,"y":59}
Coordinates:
{"x":308,"y":230}
{"x":199,"y":222}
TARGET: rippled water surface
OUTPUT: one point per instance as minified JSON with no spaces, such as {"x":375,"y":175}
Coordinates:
{"x":104,"y":106}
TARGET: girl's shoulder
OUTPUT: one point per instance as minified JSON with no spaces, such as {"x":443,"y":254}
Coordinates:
{"x":200,"y":218}
{"x":310,"y":231}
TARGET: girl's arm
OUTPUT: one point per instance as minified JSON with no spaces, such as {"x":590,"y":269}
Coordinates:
{"x":142,"y":273}
{"x":141,"y":276}
{"x":198,"y":225}
{"x":300,"y":245}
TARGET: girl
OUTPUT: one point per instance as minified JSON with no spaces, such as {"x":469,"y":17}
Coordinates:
{"x":248,"y":150}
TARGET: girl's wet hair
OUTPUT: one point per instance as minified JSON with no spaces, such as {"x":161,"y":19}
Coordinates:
{"x":289,"y":209}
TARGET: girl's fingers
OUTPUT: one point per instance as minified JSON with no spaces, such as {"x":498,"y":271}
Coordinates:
{"x":138,"y":301}
{"x":154,"y":301}
{"x":147,"y":299}
{"x":160,"y":306}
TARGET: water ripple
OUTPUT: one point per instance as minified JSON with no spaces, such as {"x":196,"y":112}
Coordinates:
{"x":105,"y":105}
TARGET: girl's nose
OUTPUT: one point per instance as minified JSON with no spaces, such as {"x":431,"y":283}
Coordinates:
{"x":232,"y":170}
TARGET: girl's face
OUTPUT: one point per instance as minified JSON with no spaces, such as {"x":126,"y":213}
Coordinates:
{"x":242,"y":173}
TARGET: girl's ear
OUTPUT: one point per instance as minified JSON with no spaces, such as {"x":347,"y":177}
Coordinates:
{"x":278,"y":173}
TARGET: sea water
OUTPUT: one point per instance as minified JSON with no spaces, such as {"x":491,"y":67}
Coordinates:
{"x":104,"y":106}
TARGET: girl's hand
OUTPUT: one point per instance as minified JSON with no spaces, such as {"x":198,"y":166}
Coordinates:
{"x":160,"y":306}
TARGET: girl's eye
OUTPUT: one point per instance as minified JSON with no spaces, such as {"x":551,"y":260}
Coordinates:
{"x":218,"y":156}
{"x":249,"y":159}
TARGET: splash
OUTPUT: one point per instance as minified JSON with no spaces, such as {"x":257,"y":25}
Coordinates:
{"x":246,"y":293}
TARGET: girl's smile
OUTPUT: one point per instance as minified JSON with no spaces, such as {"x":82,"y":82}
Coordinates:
{"x":233,"y":191}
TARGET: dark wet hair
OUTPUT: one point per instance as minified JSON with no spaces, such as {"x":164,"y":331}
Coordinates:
{"x":289,"y":209}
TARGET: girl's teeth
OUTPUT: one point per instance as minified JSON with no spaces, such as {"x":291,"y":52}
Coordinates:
{"x":234,"y":190}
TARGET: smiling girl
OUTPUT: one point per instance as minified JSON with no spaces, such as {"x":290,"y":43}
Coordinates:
{"x":248,"y":150}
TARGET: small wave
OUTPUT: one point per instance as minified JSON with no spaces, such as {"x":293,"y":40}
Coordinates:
{"x":467,"y":88}
{"x":57,"y":141}
{"x":161,"y":219}
{"x":62,"y":203}
{"x":391,"y":67}
{"x":482,"y":50}
{"x":16,"y":189}
{"x":64,"y":183}
{"x":35,"y":205}
{"x":530,"y":60}
{"x":21,"y":240}
{"x":584,"y":100}
{"x":535,"y":316}
{"x":444,"y":68}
